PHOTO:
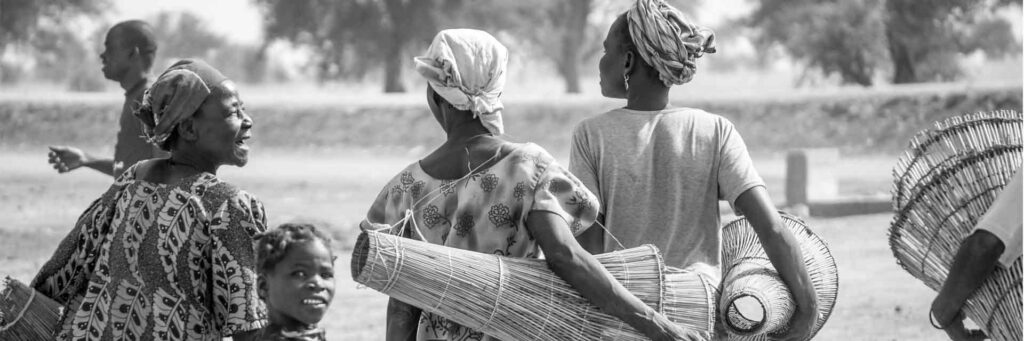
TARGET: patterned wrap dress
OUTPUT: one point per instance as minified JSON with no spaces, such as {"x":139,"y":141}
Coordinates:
{"x":485,"y":212}
{"x":150,"y":261}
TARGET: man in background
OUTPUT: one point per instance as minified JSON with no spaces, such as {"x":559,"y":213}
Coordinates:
{"x":129,"y":52}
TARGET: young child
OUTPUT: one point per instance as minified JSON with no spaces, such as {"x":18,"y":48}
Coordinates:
{"x":296,"y":280}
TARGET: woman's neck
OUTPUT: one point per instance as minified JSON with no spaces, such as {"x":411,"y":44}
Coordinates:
{"x":184,"y":161}
{"x":464,"y":132}
{"x":643,"y":96}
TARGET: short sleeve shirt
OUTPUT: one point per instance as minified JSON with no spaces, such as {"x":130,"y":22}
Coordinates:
{"x":659,"y":176}
{"x":485,"y":212}
{"x":1004,"y":219}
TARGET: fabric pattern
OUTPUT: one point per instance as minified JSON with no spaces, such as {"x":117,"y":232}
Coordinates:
{"x":468,"y":68}
{"x":660,"y":175}
{"x":486,"y":212}
{"x":151,"y":261}
{"x":667,"y":40}
{"x":175,"y":96}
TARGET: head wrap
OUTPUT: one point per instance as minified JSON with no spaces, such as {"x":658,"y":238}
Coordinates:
{"x":467,"y":68}
{"x":667,"y":40}
{"x":175,"y":96}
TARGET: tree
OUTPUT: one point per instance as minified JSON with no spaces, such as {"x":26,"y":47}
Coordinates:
{"x":38,"y":27}
{"x":354,"y":35}
{"x":21,"y":20}
{"x":186,"y":35}
{"x":837,"y":37}
{"x":925,"y":37}
{"x":918,"y":40}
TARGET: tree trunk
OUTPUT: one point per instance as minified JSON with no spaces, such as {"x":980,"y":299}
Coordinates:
{"x":900,"y":26}
{"x":393,"y":67}
{"x":397,"y":12}
{"x":573,"y":38}
{"x":902,"y":65}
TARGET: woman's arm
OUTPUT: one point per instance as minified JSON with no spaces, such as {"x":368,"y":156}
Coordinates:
{"x":784,"y":252}
{"x":974,"y":263}
{"x":402,"y":321}
{"x":581,"y":270}
{"x":592,"y":239}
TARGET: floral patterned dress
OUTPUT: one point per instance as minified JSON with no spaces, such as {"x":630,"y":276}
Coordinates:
{"x":150,"y":261}
{"x":485,"y":212}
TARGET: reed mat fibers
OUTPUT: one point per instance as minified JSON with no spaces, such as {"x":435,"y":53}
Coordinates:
{"x":522,"y":299}
{"x":943,"y":184}
{"x":25,"y":314}
{"x":750,"y":282}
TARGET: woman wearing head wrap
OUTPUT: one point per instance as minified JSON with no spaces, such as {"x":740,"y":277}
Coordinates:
{"x":166,"y":253}
{"x":479,"y":192}
{"x":659,"y":171}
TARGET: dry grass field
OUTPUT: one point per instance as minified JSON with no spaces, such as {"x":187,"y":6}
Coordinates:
{"x":878,"y":300}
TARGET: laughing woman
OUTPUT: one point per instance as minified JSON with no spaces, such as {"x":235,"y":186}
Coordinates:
{"x":166,"y":253}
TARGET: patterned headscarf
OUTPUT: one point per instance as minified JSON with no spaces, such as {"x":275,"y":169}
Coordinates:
{"x":467,"y":68}
{"x":667,"y":40}
{"x":175,"y":96}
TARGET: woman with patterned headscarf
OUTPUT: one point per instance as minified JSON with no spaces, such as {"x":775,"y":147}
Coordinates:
{"x":166,"y":253}
{"x":482,"y":193}
{"x":659,"y":171}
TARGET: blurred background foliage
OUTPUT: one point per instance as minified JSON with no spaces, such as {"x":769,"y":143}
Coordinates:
{"x":857,"y":42}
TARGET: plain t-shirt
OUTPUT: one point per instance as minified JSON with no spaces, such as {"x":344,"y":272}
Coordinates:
{"x":1005,"y":219}
{"x":659,"y":176}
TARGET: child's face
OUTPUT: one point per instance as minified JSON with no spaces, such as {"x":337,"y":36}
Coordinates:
{"x":301,"y":286}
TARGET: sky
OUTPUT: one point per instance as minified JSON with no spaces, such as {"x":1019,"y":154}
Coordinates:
{"x":237,"y":20}
{"x":240,"y":20}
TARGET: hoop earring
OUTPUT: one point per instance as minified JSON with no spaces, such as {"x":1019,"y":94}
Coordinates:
{"x":625,"y":78}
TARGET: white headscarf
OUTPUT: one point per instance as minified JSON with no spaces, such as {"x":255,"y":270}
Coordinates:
{"x":467,"y":68}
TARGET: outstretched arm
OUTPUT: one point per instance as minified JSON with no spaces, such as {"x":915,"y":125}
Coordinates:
{"x":581,"y":270}
{"x":974,"y":263}
{"x":784,"y":252}
{"x":65,"y":159}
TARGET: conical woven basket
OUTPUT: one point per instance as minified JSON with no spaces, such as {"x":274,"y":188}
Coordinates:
{"x":748,"y":274}
{"x":521,"y":299}
{"x":25,"y":314}
{"x":943,"y":184}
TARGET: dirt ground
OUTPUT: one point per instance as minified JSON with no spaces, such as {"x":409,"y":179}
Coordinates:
{"x":877,"y":300}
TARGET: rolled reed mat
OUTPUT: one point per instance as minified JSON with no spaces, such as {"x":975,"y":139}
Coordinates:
{"x":943,"y":184}
{"x":522,"y":299}
{"x":750,"y":282}
{"x":25,"y":314}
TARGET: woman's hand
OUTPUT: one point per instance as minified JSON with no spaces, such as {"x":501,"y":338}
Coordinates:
{"x":801,"y":324}
{"x":579,"y":268}
{"x":958,"y":332}
{"x":665,"y":330}
{"x":784,"y":251}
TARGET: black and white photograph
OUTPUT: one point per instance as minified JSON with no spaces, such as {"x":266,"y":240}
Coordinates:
{"x":483,"y":170}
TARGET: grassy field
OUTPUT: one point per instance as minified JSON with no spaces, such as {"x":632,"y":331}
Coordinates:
{"x":878,"y":300}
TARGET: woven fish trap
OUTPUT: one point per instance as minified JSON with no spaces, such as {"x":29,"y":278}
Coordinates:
{"x":943,"y":184}
{"x":25,"y":314}
{"x":751,"y":283}
{"x":522,"y":299}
